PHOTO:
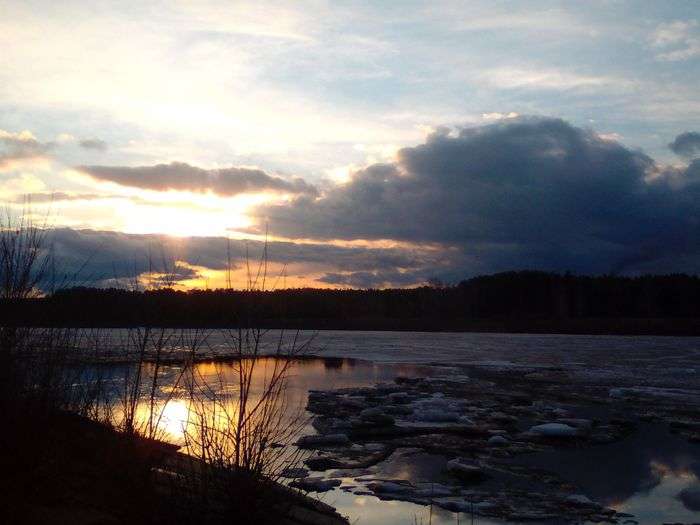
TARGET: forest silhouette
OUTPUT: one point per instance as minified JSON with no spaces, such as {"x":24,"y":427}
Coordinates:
{"x":526,"y":301}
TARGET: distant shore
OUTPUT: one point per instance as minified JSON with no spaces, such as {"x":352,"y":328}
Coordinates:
{"x":511,"y":302}
{"x":679,"y":327}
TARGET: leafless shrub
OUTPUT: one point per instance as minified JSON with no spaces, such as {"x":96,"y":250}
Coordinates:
{"x":23,"y":256}
{"x":241,"y":424}
{"x":248,"y":423}
{"x":240,"y":428}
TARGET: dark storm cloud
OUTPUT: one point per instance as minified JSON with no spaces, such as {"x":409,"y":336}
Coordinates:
{"x":184,"y":177}
{"x":99,"y":257}
{"x":525,"y":193}
{"x":94,"y":144}
{"x":686,"y":144}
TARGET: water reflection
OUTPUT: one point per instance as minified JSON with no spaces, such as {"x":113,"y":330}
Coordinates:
{"x":664,"y":501}
{"x":368,"y":510}
{"x":176,"y":416}
{"x":173,"y":418}
{"x":615,"y":472}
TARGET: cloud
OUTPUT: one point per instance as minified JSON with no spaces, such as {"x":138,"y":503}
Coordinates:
{"x":615,"y":137}
{"x":184,"y":177}
{"x":103,"y":257}
{"x":520,"y":193}
{"x":548,"y":79}
{"x":22,"y":146}
{"x":686,"y":144}
{"x":94,"y":144}
{"x":676,"y":41}
{"x":65,"y":138}
{"x":375,"y":279}
{"x":499,"y":116}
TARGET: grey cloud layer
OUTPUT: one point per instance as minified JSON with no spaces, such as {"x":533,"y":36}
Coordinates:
{"x":379,"y":278}
{"x":686,"y":144}
{"x":524,"y":193}
{"x":20,"y":146}
{"x":103,"y":257}
{"x":94,"y":144}
{"x":184,"y":177}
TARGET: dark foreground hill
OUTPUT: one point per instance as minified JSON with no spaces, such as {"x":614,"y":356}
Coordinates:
{"x":511,"y":302}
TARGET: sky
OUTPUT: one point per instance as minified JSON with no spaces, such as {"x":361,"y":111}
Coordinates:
{"x":366,"y":144}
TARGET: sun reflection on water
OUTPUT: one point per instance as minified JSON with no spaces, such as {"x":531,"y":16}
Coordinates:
{"x":660,"y":501}
{"x":174,"y":418}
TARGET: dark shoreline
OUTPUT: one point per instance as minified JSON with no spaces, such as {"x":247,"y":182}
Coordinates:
{"x":679,"y":327}
{"x":574,"y":326}
{"x":97,"y":474}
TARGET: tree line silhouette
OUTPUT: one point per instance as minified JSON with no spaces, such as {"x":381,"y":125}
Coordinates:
{"x":511,"y":301}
